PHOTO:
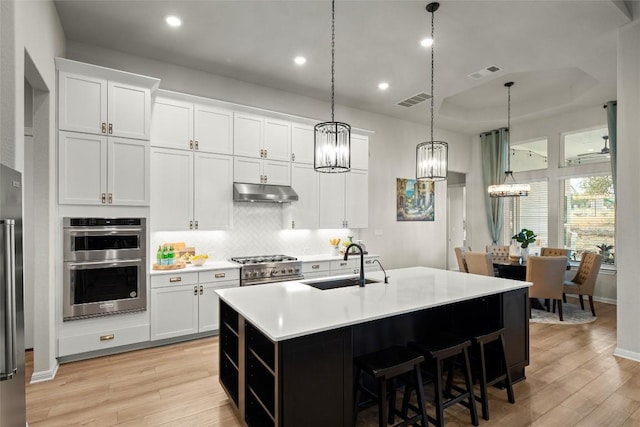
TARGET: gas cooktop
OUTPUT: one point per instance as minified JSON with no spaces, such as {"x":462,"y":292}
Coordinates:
{"x":268,"y":269}
{"x":263,"y":259}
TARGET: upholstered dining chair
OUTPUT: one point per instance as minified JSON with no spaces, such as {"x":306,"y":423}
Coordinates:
{"x":500,"y":254}
{"x":479,"y":263}
{"x":555,"y":252}
{"x":547,"y":275}
{"x":585,"y":279}
{"x":462,"y":264}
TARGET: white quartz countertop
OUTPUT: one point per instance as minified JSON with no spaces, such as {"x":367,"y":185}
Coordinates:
{"x":292,"y":309}
{"x":190,"y":268}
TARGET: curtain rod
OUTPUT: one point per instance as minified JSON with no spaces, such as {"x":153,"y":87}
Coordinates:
{"x":614,"y":103}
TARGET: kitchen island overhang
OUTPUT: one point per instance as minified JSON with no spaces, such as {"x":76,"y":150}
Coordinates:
{"x":281,"y":341}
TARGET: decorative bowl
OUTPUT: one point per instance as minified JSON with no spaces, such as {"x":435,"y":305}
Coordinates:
{"x":199,"y":259}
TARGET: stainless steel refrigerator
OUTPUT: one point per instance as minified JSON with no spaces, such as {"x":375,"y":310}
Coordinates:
{"x":12,"y":394}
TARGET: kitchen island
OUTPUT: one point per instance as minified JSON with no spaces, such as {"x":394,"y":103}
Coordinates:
{"x":286,"y":349}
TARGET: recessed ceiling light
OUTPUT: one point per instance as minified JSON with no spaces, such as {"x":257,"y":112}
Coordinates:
{"x":383,"y":86}
{"x":300,"y":60}
{"x":426,"y":42}
{"x":173,"y":21}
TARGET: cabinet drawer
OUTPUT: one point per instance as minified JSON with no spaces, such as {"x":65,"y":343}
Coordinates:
{"x":102,"y":340}
{"x":174,"y":279}
{"x":341,"y":264}
{"x":219,"y":275}
{"x":314,"y":267}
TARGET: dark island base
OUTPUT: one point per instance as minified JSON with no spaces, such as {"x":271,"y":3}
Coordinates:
{"x":309,"y":380}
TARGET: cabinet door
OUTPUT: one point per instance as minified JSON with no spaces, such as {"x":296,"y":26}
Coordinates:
{"x":277,"y":140}
{"x":174,"y":311}
{"x":276,"y":172}
{"x":357,"y":199}
{"x":172,"y":124}
{"x":82,"y":103}
{"x":213,"y":191}
{"x":128,"y":177}
{"x":129,"y":111}
{"x":213,"y":129}
{"x":304,"y":212}
{"x":247,"y":170}
{"x":301,"y":143}
{"x":359,"y":152}
{"x":247,"y":135}
{"x":208,"y":305}
{"x":82,"y":168}
{"x":331,"y":200}
{"x":171,"y":189}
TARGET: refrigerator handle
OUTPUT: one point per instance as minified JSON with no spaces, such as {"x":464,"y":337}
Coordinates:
{"x":10,"y":357}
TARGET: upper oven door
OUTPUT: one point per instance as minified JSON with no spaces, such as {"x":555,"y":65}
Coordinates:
{"x":103,"y":243}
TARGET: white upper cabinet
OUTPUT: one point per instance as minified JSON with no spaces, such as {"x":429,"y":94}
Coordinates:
{"x":100,"y":170}
{"x":332,"y":200}
{"x":260,"y":137}
{"x":172,"y":124}
{"x":188,"y":126}
{"x":213,"y":191}
{"x":359,"y":152}
{"x":303,"y":213}
{"x":357,"y":199}
{"x":99,"y":100}
{"x":259,"y":171}
{"x":302,"y":143}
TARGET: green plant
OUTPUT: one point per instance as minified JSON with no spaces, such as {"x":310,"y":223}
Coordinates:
{"x":525,"y":237}
{"x":604,"y":247}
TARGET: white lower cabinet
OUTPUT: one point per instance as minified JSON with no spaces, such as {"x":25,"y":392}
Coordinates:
{"x":315,"y":269}
{"x":186,"y":303}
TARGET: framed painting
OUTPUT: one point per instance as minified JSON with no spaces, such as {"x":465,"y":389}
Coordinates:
{"x":415,"y":200}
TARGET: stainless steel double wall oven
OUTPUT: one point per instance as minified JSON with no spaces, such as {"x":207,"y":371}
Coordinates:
{"x":105,"y":266}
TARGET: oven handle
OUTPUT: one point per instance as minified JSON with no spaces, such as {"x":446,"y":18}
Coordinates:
{"x":103,"y":231}
{"x":98,"y":264}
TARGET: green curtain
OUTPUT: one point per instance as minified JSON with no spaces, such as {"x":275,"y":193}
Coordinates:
{"x":494,"y":163}
{"x":612,"y":115}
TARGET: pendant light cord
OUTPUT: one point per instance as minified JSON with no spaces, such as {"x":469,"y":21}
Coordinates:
{"x":333,"y":56}
{"x":509,"y":127}
{"x":432,"y":96}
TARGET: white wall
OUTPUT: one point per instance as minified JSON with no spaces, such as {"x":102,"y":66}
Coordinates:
{"x":628,"y":226}
{"x":391,"y":147}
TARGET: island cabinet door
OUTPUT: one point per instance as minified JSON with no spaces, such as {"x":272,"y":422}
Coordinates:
{"x":515,"y":318}
{"x":316,"y":380}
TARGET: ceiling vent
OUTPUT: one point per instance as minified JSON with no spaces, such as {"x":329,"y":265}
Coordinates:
{"x":415,"y":99}
{"x":481,"y":74}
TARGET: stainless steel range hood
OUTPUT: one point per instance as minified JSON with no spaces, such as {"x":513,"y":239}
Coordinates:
{"x":243,"y":192}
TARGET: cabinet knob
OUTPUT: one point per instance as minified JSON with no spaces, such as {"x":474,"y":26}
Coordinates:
{"x":191,"y":144}
{"x":110,"y":198}
{"x":315,"y":266}
{"x":175,"y":279}
{"x":293,"y":157}
{"x":196,"y":145}
{"x":220,"y":275}
{"x":266,"y":153}
{"x":293,"y":224}
{"x":195,"y":290}
{"x":104,"y":127}
{"x":104,"y":198}
{"x":190,"y":225}
{"x":196,"y":225}
{"x":201,"y":289}
{"x":110,"y":128}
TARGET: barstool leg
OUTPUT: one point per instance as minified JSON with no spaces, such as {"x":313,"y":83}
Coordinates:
{"x":420,"y":396}
{"x":437,"y":385}
{"x":382,"y":402}
{"x":392,"y":401}
{"x":467,"y":380}
{"x":508,"y":384}
{"x":356,"y":396}
{"x":483,"y":384}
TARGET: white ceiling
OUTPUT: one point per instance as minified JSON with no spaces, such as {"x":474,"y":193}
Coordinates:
{"x":561,"y":54}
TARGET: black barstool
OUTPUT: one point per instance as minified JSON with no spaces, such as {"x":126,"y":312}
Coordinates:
{"x":487,"y":377}
{"x":385,"y":366}
{"x":445,"y":349}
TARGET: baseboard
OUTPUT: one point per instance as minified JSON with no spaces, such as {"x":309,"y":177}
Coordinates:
{"x":606,"y":300}
{"x":626,"y":354}
{"x":41,"y":376}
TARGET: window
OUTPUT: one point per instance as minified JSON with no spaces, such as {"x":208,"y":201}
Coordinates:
{"x":585,"y":147}
{"x":529,"y":156}
{"x":589,"y":216}
{"x":531,"y":212}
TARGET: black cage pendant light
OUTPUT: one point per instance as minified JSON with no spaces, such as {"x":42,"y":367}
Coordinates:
{"x":332,"y":140}
{"x":432,"y":156}
{"x":509,"y":188}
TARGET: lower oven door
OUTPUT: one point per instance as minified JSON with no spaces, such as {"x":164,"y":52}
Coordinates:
{"x":104,"y":287}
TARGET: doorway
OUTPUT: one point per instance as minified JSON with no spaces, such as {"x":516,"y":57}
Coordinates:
{"x":456,"y":212}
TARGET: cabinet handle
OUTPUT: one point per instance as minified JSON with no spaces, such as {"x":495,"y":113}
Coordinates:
{"x":195,"y":290}
{"x":196,"y":145}
{"x":110,"y":198}
{"x":201,"y":289}
{"x":196,"y":225}
{"x":104,"y":198}
{"x":266,"y":153}
{"x":263,"y":154}
{"x":315,"y":266}
{"x":190,"y":225}
{"x":175,"y":279}
{"x":110,"y":128}
{"x":293,"y":157}
{"x":220,"y":275}
{"x":107,"y":337}
{"x":191,"y":144}
{"x":368,"y":261}
{"x":293,"y":224}
{"x":104,"y":127}
{"x":342,"y":264}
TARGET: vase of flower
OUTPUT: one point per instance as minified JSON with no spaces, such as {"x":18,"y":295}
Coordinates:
{"x":525,"y":237}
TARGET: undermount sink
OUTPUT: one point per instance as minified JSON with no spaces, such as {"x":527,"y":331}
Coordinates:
{"x":324,"y":285}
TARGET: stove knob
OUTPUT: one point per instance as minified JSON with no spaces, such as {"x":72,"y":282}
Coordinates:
{"x":290,"y":270}
{"x":262,"y":273}
{"x":246,"y":275}
{"x":297,"y":270}
{"x":274,"y":272}
{"x":283,"y":271}
{"x":255,"y":274}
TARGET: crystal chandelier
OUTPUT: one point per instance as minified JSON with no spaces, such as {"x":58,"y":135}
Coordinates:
{"x":432,"y":156}
{"x":332,"y":140}
{"x":509,"y":188}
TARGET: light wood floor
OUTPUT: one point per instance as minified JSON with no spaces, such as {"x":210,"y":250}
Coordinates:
{"x":573,"y":379}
